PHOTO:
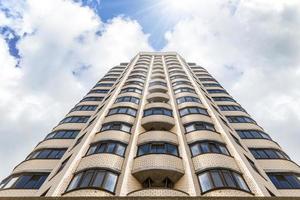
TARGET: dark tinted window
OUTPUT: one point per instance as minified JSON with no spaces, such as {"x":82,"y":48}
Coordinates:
{"x":202,"y":147}
{"x":107,"y":147}
{"x":192,"y":110}
{"x":269,"y":154}
{"x":75,"y":119}
{"x":253,"y":134}
{"x":94,"y":178}
{"x":63,"y":134}
{"x":121,"y":126}
{"x":221,"y":178}
{"x":157,"y":111}
{"x":24,"y":181}
{"x":194,"y":126}
{"x":240,"y":119}
{"x":285,"y":180}
{"x":154,"y":148}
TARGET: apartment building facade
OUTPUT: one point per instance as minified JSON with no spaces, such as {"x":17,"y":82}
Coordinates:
{"x":156,"y":126}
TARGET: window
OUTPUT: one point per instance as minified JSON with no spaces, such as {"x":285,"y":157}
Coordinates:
{"x":231,"y":108}
{"x":111,"y":74}
{"x":139,"y":83}
{"x":192,"y":110}
{"x":24,"y":181}
{"x":181,"y":83}
{"x":187,"y":99}
{"x":157,"y":83}
{"x":108,"y":79}
{"x":137,"y":76}
{"x":98,"y":91}
{"x":46,"y":154}
{"x":84,"y":108}
{"x":120,"y":126}
{"x":223,"y":99}
{"x":94,"y":178}
{"x":178,"y":77}
{"x":196,"y":126}
{"x":202,"y":147}
{"x":211,"y":85}
{"x":75,"y":119}
{"x":184,"y":90}
{"x":139,"y":71}
{"x":122,"y":110}
{"x":107,"y":147}
{"x":135,"y":90}
{"x":157,"y":111}
{"x":240,"y":119}
{"x":221,"y":178}
{"x":128,"y":99}
{"x":253,"y":134}
{"x":285,"y":180}
{"x":104,"y":84}
{"x":216,"y":91}
{"x":157,"y":148}
{"x":62,"y":134}
{"x":92,"y":99}
{"x":269,"y":154}
{"x":207,"y":79}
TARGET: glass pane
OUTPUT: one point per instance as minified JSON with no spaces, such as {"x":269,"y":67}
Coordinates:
{"x":171,"y":149}
{"x":223,"y":150}
{"x":101,"y":148}
{"x":53,"y":154}
{"x":270,"y":153}
{"x":120,"y":150}
{"x":294,"y":181}
{"x":183,"y":112}
{"x":98,"y":179}
{"x":214,"y":148}
{"x":110,"y":182}
{"x":22,"y":181}
{"x":190,"y":128}
{"x":204,"y":147}
{"x":229,"y":179}
{"x":240,"y":181}
{"x":92,"y":150}
{"x":74,"y":182}
{"x":143,"y":149}
{"x":43,"y":154}
{"x":11,"y":182}
{"x":205,"y":182}
{"x":125,"y":128}
{"x":86,"y":179}
{"x":195,"y":149}
{"x":217,"y":179}
{"x":110,"y":147}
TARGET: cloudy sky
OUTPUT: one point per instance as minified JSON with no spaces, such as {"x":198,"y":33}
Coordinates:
{"x":53,"y":51}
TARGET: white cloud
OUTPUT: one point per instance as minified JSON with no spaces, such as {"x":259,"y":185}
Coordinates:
{"x":60,"y":39}
{"x":253,"y":48}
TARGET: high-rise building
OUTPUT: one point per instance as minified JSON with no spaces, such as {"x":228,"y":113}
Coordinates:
{"x":156,"y":126}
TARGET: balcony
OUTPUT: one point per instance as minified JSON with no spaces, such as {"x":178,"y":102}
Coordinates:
{"x":162,"y":136}
{"x":158,"y":97}
{"x":158,"y":116}
{"x":158,"y":86}
{"x":158,"y":167}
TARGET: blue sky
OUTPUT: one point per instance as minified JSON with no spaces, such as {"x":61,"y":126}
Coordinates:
{"x":48,"y":47}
